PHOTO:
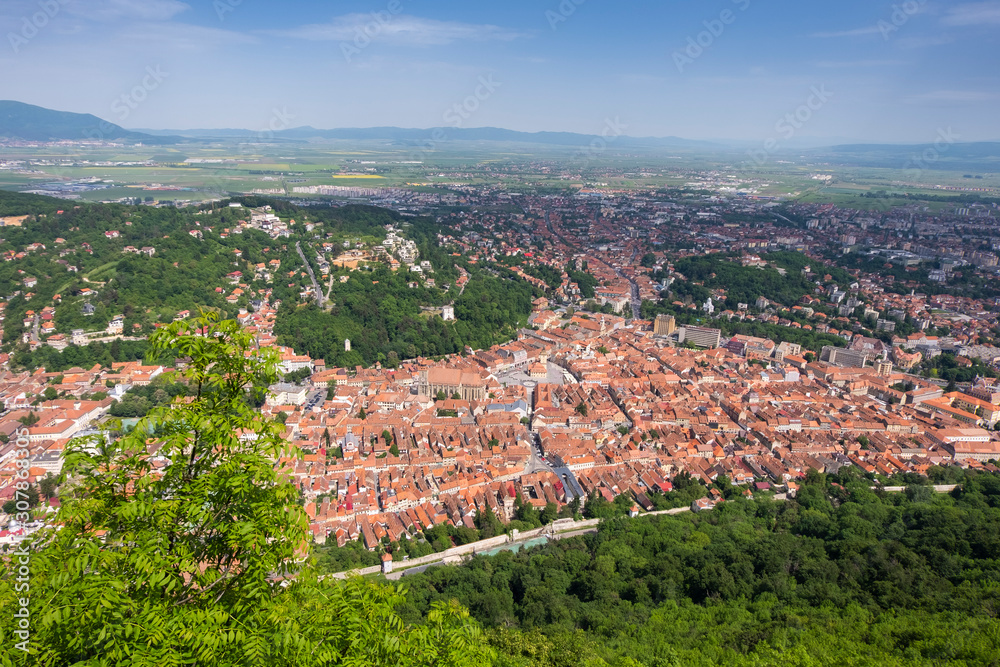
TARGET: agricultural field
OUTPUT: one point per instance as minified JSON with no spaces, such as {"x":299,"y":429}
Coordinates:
{"x":210,"y":170}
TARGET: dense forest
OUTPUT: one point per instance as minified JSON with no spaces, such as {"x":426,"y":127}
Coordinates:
{"x":382,"y":317}
{"x":76,"y":256}
{"x":340,"y":221}
{"x":138,"y":401}
{"x":388,"y":319}
{"x":841,"y":575}
{"x":745,"y":284}
{"x":76,"y":263}
{"x":18,"y":203}
{"x":586,"y":281}
{"x":551,"y":276}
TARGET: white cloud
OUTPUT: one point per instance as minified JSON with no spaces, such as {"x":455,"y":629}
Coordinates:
{"x":973,"y":14}
{"x":952,"y":97}
{"x":843,"y":64}
{"x":923,"y":42}
{"x":112,"y":10}
{"x":182,"y":37}
{"x":857,"y":32}
{"x":67,"y":29}
{"x":401,"y":29}
{"x":643,"y":80}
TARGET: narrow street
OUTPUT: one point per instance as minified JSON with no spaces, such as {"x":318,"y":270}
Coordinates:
{"x":320,"y":299}
{"x":536,"y":464}
{"x":636,"y":301}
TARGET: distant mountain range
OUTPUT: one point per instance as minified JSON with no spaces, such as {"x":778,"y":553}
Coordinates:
{"x":34,"y":123}
{"x":414,"y":136}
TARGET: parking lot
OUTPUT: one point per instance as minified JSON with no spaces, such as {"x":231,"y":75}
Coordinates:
{"x":314,"y":400}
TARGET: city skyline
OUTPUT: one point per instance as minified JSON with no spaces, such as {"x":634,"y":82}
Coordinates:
{"x":734,"y":70}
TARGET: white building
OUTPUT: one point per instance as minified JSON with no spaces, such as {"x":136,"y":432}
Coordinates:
{"x":287,"y":394}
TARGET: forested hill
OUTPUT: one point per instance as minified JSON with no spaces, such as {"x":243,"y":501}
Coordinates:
{"x":389,"y":317}
{"x":842,"y":576}
{"x":27,"y":121}
{"x":18,"y":203}
{"x":82,"y":265}
{"x":382,"y":317}
{"x":745,"y":284}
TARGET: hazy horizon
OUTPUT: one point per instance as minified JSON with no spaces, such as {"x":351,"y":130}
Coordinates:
{"x":732,"y":71}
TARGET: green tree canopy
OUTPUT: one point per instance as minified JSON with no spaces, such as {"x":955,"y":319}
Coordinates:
{"x":201,"y":560}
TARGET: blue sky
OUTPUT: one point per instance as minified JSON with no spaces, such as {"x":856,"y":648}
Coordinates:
{"x":721,"y":69}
